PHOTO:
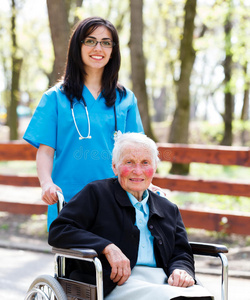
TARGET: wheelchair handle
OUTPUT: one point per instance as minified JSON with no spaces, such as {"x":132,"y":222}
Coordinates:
{"x":61,"y":202}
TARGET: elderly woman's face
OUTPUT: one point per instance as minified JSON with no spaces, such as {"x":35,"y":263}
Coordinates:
{"x":135,"y":170}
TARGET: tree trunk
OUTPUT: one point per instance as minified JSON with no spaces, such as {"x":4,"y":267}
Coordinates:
{"x":229,"y":97}
{"x":60,"y":33}
{"x":16,"y":70}
{"x":160,"y":105}
{"x":180,"y":125}
{"x":245,"y":107}
{"x":14,"y":98}
{"x":138,"y":64}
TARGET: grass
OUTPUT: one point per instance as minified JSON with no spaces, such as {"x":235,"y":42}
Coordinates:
{"x":4,"y":226}
{"x":18,"y":168}
{"x":211,"y":202}
{"x":210,"y":171}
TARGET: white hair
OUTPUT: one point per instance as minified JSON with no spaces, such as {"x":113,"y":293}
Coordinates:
{"x":137,"y":139}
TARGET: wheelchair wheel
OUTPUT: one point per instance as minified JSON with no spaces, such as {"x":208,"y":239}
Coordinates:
{"x":45,"y":287}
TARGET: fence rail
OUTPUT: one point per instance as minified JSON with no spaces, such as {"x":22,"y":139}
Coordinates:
{"x":178,"y":153}
{"x":219,"y":155}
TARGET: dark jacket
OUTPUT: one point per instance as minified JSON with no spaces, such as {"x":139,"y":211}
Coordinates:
{"x":101,"y":214}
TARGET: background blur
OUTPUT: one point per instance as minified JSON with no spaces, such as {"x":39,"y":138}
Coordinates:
{"x":186,"y":61}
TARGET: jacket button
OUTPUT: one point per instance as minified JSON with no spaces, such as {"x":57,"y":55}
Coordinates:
{"x":151,"y":226}
{"x":160,"y":242}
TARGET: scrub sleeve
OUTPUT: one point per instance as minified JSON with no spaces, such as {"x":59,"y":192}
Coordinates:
{"x":78,"y":162}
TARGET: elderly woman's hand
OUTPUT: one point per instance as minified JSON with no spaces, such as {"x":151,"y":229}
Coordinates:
{"x":119,"y":263}
{"x":180,"y":278}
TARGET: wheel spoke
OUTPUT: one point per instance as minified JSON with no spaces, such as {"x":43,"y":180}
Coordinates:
{"x":46,"y":287}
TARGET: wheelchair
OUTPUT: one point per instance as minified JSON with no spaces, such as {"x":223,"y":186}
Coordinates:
{"x":60,"y":287}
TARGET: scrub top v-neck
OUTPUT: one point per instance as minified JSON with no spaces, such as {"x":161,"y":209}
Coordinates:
{"x":78,"y":162}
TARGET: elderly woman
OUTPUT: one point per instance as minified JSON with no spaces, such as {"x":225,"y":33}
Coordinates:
{"x":139,"y":235}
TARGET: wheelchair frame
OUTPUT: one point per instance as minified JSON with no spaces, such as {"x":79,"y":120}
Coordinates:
{"x":75,"y":290}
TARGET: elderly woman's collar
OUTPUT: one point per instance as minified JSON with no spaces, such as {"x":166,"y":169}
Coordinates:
{"x":122,"y":198}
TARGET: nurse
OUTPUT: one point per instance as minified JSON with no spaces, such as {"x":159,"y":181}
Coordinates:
{"x":76,"y":121}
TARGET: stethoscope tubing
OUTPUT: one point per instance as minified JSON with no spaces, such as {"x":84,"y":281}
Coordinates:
{"x":74,"y":119}
{"x":81,"y":137}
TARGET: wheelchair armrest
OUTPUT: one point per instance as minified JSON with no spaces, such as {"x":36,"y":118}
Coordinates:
{"x":208,"y":249}
{"x":84,"y":254}
{"x":76,"y":252}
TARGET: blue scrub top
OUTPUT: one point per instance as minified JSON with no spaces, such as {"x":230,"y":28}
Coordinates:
{"x":78,"y":162}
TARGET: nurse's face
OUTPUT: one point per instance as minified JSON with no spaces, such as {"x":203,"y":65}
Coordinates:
{"x":96,"y":58}
{"x":135,"y":170}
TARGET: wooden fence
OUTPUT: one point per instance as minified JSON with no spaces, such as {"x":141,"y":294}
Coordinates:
{"x":179,"y":153}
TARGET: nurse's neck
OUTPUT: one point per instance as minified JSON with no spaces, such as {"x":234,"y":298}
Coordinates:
{"x":93,"y":81}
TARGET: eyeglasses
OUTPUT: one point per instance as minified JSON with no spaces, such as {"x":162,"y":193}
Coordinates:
{"x":92,"y":43}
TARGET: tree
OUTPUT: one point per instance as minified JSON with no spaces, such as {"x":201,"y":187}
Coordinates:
{"x":245,"y":107}
{"x":138,"y":64}
{"x":228,"y":69}
{"x":244,"y":42}
{"x":60,"y":32}
{"x":16,"y":70}
{"x":180,"y":125}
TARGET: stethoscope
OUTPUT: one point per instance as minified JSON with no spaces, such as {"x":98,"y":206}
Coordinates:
{"x":81,"y":137}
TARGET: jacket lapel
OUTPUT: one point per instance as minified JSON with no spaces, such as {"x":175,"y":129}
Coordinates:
{"x":154,"y":205}
{"x":121,"y":195}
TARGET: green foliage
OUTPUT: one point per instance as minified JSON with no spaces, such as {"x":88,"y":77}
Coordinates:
{"x":209,"y":171}
{"x":247,"y":241}
{"x":204,"y":132}
{"x":201,"y":201}
{"x":241,"y":125}
{"x":163,"y":25}
{"x":18,"y":168}
{"x":4,"y":227}
{"x":206,"y":201}
{"x":163,"y":168}
{"x":211,"y":134}
{"x":34,"y":226}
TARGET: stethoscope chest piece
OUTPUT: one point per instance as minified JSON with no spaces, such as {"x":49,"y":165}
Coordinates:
{"x":117,"y":133}
{"x":85,"y":137}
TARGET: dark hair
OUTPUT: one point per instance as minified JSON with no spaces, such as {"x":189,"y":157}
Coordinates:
{"x":74,"y":70}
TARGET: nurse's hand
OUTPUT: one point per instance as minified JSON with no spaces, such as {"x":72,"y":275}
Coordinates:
{"x":180,"y":278}
{"x":156,"y":189}
{"x":49,"y":195}
{"x":119,"y":263}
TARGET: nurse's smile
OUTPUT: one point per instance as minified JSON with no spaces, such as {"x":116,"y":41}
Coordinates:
{"x":96,"y":57}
